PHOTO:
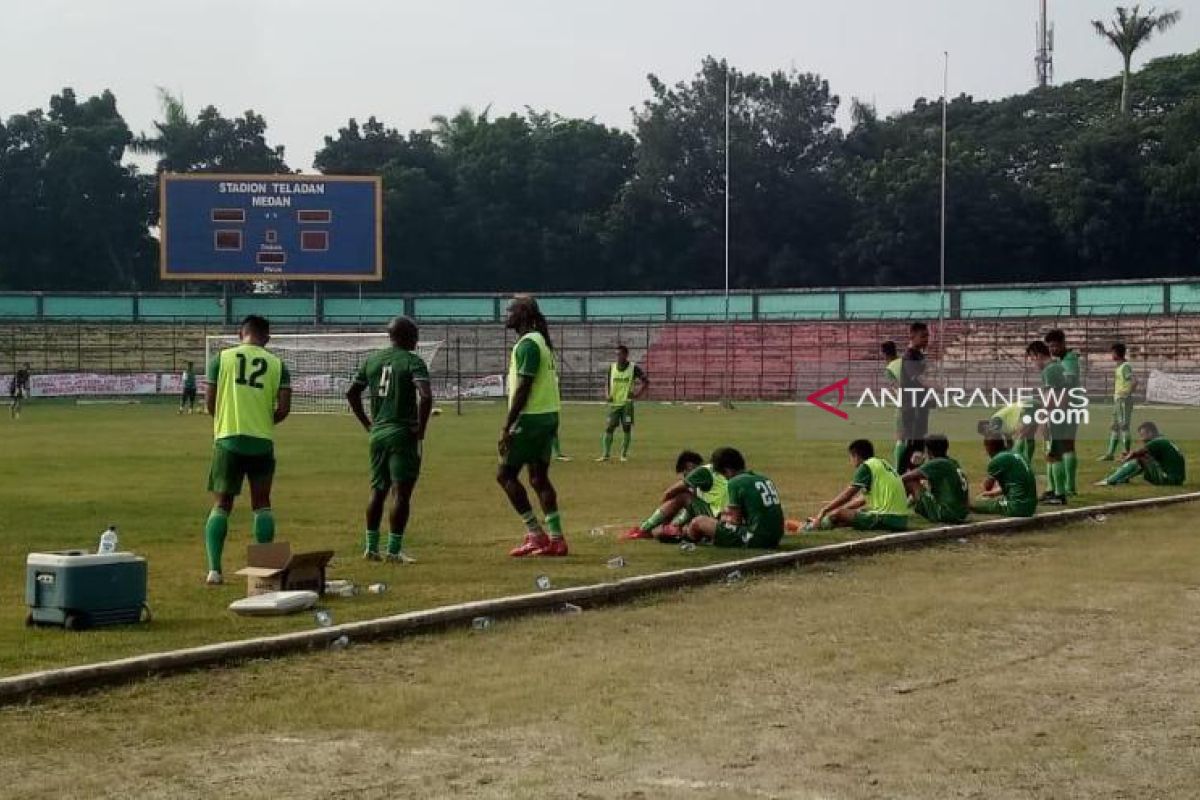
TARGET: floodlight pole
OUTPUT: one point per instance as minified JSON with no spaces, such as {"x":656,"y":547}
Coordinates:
{"x":945,"y":152}
{"x":726,"y":400}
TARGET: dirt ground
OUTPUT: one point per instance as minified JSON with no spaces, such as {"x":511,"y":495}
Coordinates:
{"x":1064,"y":664}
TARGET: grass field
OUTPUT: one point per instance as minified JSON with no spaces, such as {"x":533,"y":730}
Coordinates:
{"x":1035,"y":666}
{"x":67,"y":471}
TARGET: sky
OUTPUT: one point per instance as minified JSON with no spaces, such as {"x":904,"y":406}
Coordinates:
{"x":310,"y":65}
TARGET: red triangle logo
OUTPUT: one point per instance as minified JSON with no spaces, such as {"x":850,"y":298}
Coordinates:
{"x":840,"y":388}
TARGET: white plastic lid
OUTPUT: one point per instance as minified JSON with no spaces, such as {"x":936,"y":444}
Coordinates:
{"x":77,"y":558}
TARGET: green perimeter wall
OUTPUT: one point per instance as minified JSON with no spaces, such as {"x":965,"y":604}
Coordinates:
{"x":1122,"y":298}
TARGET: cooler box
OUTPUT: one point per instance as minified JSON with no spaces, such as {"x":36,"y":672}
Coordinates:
{"x":78,"y":590}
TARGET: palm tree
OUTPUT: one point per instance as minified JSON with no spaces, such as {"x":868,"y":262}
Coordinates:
{"x":175,"y":137}
{"x":1130,"y":30}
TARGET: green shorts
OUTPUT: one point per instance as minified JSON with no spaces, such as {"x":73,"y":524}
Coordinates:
{"x":1122,"y":413}
{"x":874,"y":521}
{"x":394,"y":459}
{"x":742,"y":536}
{"x":229,"y":468}
{"x":1001,"y":505}
{"x":532,"y":440}
{"x":1153,"y":472}
{"x":929,"y":508}
{"x":620,"y":415}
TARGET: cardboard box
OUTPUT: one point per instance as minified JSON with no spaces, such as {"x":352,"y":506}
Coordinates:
{"x":274,"y":568}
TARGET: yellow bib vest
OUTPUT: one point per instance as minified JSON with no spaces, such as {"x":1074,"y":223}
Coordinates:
{"x":248,"y":383}
{"x":886,"y":495}
{"x":620,"y":384}
{"x":1123,"y":381}
{"x":543,"y":397}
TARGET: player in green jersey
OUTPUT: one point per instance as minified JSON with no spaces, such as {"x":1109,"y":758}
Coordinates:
{"x":700,"y":491}
{"x":1060,"y":437}
{"x":187,"y":397}
{"x":753,"y":515}
{"x":401,"y":401}
{"x":874,"y":500}
{"x":1158,"y":460}
{"x":530,"y":427}
{"x":892,"y":376}
{"x":938,"y":487}
{"x":1010,"y":487}
{"x":1014,"y":424}
{"x":18,"y":390}
{"x":1124,"y":385}
{"x":626,"y":383}
{"x":1056,"y":341}
{"x":249,"y":392}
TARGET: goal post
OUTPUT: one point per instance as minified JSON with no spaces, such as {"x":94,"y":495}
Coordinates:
{"x":322,"y":365}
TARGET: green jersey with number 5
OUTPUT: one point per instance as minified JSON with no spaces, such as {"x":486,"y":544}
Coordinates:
{"x":248,"y":380}
{"x":392,"y":376}
{"x":757,"y":498}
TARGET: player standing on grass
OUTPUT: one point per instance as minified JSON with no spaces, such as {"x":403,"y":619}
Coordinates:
{"x":1158,"y":460}
{"x":187,"y":397}
{"x":249,"y":392}
{"x":1059,"y":435}
{"x":401,"y":402}
{"x":893,"y":365}
{"x":530,"y":427}
{"x":914,"y":410}
{"x":18,"y":390}
{"x":1056,"y":341}
{"x":753,"y":514}
{"x":626,"y":383}
{"x":1124,"y":384}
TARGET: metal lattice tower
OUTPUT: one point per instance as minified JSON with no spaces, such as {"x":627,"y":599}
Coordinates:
{"x":1044,"y":58}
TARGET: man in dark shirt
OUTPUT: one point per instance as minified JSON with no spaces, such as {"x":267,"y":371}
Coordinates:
{"x":914,"y":411}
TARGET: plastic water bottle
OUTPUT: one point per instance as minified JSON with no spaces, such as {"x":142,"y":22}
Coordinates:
{"x":377,"y":588}
{"x":570,"y":608}
{"x":542,"y":582}
{"x":616,"y":562}
{"x":687,"y":547}
{"x":596,"y":532}
{"x":481,"y":623}
{"x":323,"y":617}
{"x":340,"y":643}
{"x":108,"y":541}
{"x":734,"y":576}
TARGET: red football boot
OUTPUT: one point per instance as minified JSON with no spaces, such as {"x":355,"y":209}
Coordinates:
{"x":555,"y":547}
{"x":533,"y":544}
{"x":636,"y":533}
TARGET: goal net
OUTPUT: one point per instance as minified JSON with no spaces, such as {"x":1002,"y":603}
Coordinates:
{"x":322,"y":365}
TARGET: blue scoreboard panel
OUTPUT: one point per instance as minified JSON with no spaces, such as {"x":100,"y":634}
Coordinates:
{"x":277,"y":227}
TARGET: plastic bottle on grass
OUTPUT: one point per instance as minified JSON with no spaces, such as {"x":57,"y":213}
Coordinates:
{"x":323,"y":617}
{"x":481,"y":623}
{"x":542,"y":582}
{"x":108,"y":541}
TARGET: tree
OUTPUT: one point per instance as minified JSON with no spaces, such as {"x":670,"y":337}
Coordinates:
{"x":210,"y":142}
{"x":1130,"y":30}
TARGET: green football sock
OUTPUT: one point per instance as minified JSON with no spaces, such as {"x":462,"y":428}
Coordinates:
{"x":654,"y":520}
{"x":1113,"y":439}
{"x":682,"y":518}
{"x":1070,"y":464}
{"x":531,"y":522}
{"x":1124,"y":473}
{"x":1060,"y":478}
{"x":1127,"y":441}
{"x":264,"y":526}
{"x":215,"y":531}
{"x":372,"y":541}
{"x":625,"y":442}
{"x":606,"y":444}
{"x":395,"y":540}
{"x":1051,"y":478}
{"x":1026,"y":448}
{"x":554,"y":523}
{"x":825,"y":523}
{"x":555,"y":447}
{"x":897,"y":454}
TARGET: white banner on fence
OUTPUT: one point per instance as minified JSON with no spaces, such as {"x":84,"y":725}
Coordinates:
{"x":73,"y":384}
{"x":487,"y":386}
{"x":1174,"y":388}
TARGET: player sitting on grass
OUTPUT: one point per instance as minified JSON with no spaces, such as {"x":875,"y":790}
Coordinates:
{"x":249,"y":392}
{"x":401,"y":402}
{"x":938,"y":487}
{"x":1010,"y":487}
{"x":875,"y":498}
{"x":1158,"y":460}
{"x":753,"y":515}
{"x":699,"y":492}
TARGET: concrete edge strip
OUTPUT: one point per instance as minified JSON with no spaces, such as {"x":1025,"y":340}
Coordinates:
{"x":19,"y":687}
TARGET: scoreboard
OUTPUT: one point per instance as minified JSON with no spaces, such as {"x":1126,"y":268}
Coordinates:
{"x":274,"y":227}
